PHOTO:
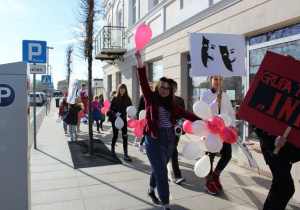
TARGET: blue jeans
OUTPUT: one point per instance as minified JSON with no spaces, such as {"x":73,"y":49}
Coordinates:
{"x":72,"y":129}
{"x":64,"y":124}
{"x":159,"y":152}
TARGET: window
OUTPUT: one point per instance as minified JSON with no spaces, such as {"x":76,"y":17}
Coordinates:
{"x":156,"y":2}
{"x":133,"y":11}
{"x":280,"y":45}
{"x":109,"y":84}
{"x":155,"y":71}
{"x":181,"y":4}
{"x":118,"y":78}
{"x":212,"y":2}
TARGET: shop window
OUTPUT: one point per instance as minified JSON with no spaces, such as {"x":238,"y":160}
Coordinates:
{"x":155,"y":71}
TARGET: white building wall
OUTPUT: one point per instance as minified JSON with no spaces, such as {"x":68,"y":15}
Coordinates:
{"x":171,"y":27}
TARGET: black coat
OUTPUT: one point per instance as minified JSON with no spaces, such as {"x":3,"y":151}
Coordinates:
{"x":288,"y":152}
{"x":73,"y":114}
{"x":118,"y":106}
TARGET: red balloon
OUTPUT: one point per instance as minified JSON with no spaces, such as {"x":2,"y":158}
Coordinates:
{"x":104,"y":110}
{"x":215,"y":124}
{"x":143,"y":122}
{"x":81,"y":115}
{"x":138,"y":131}
{"x":106,"y":103}
{"x":187,"y":127}
{"x":132,"y":123}
{"x":142,"y":36}
{"x":228,"y":135}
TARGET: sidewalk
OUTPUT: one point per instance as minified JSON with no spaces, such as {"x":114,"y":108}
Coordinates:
{"x":56,"y":185}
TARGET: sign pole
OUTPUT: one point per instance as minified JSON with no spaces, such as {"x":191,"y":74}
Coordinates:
{"x":34,"y":112}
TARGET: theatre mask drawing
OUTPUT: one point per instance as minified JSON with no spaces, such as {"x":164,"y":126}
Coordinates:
{"x":217,"y":54}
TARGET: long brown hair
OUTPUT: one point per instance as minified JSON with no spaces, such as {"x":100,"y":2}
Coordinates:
{"x":126,"y":98}
{"x":166,"y":102}
{"x":101,"y":97}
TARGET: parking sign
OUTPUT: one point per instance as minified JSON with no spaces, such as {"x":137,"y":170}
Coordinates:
{"x":34,"y":51}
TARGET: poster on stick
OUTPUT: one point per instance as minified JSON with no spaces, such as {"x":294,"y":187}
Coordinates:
{"x":273,"y":100}
{"x":217,"y":54}
{"x":72,"y":91}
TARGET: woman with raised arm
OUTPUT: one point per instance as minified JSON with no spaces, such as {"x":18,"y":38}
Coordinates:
{"x":161,"y":110}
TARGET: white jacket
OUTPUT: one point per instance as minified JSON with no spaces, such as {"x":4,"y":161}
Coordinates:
{"x":210,"y":98}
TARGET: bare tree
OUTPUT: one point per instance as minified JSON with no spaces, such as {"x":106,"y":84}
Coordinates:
{"x":87,"y":19}
{"x":69,"y":61}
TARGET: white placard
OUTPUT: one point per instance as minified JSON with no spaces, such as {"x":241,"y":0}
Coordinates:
{"x":37,"y":69}
{"x":217,"y":54}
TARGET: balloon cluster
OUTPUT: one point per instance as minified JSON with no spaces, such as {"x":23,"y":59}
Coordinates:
{"x":213,"y":131}
{"x":106,"y":107}
{"x":138,"y":125}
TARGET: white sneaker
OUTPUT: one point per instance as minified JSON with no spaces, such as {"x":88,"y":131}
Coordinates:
{"x":141,"y":148}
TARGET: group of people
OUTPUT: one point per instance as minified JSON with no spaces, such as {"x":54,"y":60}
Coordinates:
{"x":162,"y":109}
{"x":69,"y":112}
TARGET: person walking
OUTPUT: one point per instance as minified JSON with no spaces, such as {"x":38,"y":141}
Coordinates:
{"x":214,"y":100}
{"x":282,"y":188}
{"x":174,"y":159}
{"x":63,"y":110}
{"x":161,"y":110}
{"x":96,"y":112}
{"x":101,"y":100}
{"x":72,"y":118}
{"x":118,"y":106}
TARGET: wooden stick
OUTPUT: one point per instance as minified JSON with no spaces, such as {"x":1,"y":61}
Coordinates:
{"x":219,"y":89}
{"x":285,"y":134}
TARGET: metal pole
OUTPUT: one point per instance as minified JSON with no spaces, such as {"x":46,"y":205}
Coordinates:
{"x":34,"y":112}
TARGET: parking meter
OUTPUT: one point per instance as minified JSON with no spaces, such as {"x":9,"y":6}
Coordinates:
{"x":14,"y":140}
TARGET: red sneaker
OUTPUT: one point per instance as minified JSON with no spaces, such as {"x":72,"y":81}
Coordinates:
{"x":216,"y":179}
{"x":210,"y":187}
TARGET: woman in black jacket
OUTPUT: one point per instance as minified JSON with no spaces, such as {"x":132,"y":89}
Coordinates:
{"x":118,"y":107}
{"x":282,"y":188}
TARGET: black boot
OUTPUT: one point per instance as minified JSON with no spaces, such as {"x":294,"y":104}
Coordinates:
{"x":113,"y":151}
{"x":126,"y":157}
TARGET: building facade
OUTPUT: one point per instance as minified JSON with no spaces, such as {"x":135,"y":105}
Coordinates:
{"x":63,"y":85}
{"x":272,"y":25}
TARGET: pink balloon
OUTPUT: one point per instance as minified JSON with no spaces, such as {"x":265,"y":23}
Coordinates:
{"x":81,"y":115}
{"x":215,"y":124}
{"x":104,"y":110}
{"x":132,"y":123}
{"x":228,"y":135}
{"x":142,"y":36}
{"x":107,"y":103}
{"x":187,"y":127}
{"x":138,"y":131}
{"x":143,"y":122}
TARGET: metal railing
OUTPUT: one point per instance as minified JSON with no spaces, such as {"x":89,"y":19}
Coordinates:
{"x":110,"y":38}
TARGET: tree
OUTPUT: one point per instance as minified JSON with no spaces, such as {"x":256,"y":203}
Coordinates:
{"x":87,"y":20}
{"x":69,"y":61}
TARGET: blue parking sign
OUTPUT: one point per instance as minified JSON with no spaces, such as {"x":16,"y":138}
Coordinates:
{"x":35,"y":51}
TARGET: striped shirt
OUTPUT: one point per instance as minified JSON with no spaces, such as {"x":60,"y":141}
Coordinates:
{"x":164,"y":118}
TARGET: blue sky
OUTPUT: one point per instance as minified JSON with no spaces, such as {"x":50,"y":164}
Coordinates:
{"x":52,"y":21}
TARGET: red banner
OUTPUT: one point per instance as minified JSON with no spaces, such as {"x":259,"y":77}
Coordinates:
{"x":273,"y":100}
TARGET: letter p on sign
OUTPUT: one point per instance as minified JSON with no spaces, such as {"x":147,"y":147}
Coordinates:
{"x":35,"y":51}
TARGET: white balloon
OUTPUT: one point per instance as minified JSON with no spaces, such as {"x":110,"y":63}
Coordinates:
{"x":58,"y":120}
{"x":226,"y":118}
{"x":199,"y":128}
{"x":191,"y":150}
{"x":202,"y":166}
{"x":142,"y":114}
{"x":119,"y":123}
{"x":202,"y":145}
{"x":202,"y":110}
{"x":131,"y":111}
{"x":213,"y":143}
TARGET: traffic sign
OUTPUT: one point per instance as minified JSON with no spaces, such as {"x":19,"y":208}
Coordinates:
{"x":46,"y":79}
{"x":34,"y":51}
{"x":51,"y":85}
{"x":37,"y":69}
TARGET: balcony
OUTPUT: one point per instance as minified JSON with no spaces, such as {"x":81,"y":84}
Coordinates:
{"x":110,"y":44}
